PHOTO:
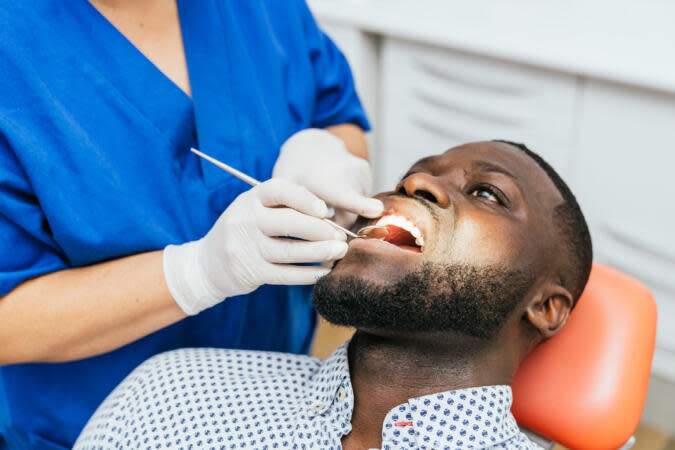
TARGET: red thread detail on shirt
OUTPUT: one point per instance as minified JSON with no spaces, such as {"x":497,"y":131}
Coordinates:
{"x":403,"y":424}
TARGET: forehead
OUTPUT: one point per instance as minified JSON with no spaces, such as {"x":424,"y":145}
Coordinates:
{"x":531,"y":179}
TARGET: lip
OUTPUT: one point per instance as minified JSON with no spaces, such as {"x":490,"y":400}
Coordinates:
{"x":412,"y":210}
{"x":380,"y":246}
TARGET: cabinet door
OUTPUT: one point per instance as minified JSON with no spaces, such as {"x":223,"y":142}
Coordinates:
{"x":433,"y":98}
{"x":623,"y":172}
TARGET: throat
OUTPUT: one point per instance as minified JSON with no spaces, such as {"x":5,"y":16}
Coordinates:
{"x":402,"y":238}
{"x":417,"y":366}
{"x":387,"y":372}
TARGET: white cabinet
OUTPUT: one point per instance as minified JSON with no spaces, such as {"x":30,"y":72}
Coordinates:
{"x":433,"y":98}
{"x":623,"y":172}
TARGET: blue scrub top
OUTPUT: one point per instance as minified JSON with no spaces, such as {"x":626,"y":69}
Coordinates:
{"x":94,"y":165}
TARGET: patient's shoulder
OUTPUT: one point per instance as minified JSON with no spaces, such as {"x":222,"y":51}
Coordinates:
{"x":227,"y":363}
{"x":203,"y":375}
{"x":202,"y":386}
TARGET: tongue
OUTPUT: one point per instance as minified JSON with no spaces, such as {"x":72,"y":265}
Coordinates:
{"x":402,"y":238}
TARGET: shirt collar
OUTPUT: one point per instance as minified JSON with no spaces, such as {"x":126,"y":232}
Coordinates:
{"x":471,"y":418}
{"x":327,"y":381}
{"x":478,"y":417}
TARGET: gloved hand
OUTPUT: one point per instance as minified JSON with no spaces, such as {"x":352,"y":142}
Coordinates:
{"x":320,"y":161}
{"x":242,"y":250}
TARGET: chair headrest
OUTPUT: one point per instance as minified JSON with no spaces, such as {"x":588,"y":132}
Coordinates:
{"x":586,"y":387}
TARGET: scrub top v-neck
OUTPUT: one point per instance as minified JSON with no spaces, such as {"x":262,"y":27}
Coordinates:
{"x":95,"y":165}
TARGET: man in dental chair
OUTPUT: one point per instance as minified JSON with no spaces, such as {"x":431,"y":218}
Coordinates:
{"x":486,"y":256}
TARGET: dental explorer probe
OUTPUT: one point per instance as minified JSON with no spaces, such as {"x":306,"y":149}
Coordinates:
{"x":253,"y":182}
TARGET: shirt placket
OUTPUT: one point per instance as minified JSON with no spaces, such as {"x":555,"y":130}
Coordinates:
{"x":328,"y":411}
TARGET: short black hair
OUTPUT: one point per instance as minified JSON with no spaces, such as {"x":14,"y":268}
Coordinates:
{"x":576,"y":238}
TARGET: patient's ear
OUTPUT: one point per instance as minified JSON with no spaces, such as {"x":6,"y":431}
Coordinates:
{"x":548,"y":312}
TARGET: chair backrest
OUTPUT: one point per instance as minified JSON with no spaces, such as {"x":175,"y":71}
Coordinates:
{"x":585,"y":388}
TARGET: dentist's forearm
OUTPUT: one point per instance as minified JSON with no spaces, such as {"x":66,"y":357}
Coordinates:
{"x":353,"y":137}
{"x":82,"y":312}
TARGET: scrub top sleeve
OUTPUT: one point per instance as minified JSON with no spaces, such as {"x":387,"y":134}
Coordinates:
{"x":336,"y":98}
{"x":27,"y":248}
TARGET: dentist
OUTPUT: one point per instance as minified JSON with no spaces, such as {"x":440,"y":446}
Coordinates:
{"x":116,"y":242}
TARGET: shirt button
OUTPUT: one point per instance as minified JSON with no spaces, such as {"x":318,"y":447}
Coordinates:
{"x":317,"y":407}
{"x":341,"y":394}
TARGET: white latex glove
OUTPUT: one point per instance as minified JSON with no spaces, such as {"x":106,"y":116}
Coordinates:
{"x":242,"y":250}
{"x":320,"y":161}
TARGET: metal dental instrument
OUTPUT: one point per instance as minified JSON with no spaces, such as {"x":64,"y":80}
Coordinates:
{"x":362,"y":233}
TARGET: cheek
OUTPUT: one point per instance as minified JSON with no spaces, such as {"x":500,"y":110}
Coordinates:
{"x":484,"y":241}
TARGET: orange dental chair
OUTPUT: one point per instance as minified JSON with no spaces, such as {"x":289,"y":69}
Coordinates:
{"x":586,"y":387}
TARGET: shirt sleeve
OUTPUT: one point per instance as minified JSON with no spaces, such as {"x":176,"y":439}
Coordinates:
{"x":27,"y":248}
{"x":336,"y":99}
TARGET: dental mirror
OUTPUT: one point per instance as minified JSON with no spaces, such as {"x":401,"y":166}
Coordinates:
{"x":373,"y":232}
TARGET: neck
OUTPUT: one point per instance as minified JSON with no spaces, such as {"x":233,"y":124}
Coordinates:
{"x":388,"y":371}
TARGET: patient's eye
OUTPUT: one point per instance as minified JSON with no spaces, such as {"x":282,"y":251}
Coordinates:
{"x":488,"y":193}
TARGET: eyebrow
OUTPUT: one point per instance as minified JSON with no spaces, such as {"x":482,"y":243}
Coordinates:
{"x":485,"y":166}
{"x":490,"y":167}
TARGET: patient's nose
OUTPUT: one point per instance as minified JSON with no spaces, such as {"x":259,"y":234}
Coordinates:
{"x":426,"y":186}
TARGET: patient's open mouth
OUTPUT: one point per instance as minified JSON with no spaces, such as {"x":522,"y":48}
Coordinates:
{"x":403,"y":233}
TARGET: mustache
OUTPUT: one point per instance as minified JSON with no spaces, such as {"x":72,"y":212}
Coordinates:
{"x":431,"y":207}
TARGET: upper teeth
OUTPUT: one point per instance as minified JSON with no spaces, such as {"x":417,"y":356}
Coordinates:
{"x":402,"y":222}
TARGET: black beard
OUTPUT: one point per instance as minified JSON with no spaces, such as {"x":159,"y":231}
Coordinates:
{"x":469,"y":300}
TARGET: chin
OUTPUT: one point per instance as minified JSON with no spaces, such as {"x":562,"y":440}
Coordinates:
{"x":433,"y":298}
{"x":344,"y":268}
{"x":374,"y":268}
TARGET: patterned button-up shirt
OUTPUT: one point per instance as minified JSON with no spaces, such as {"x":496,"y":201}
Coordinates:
{"x":231,"y":399}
